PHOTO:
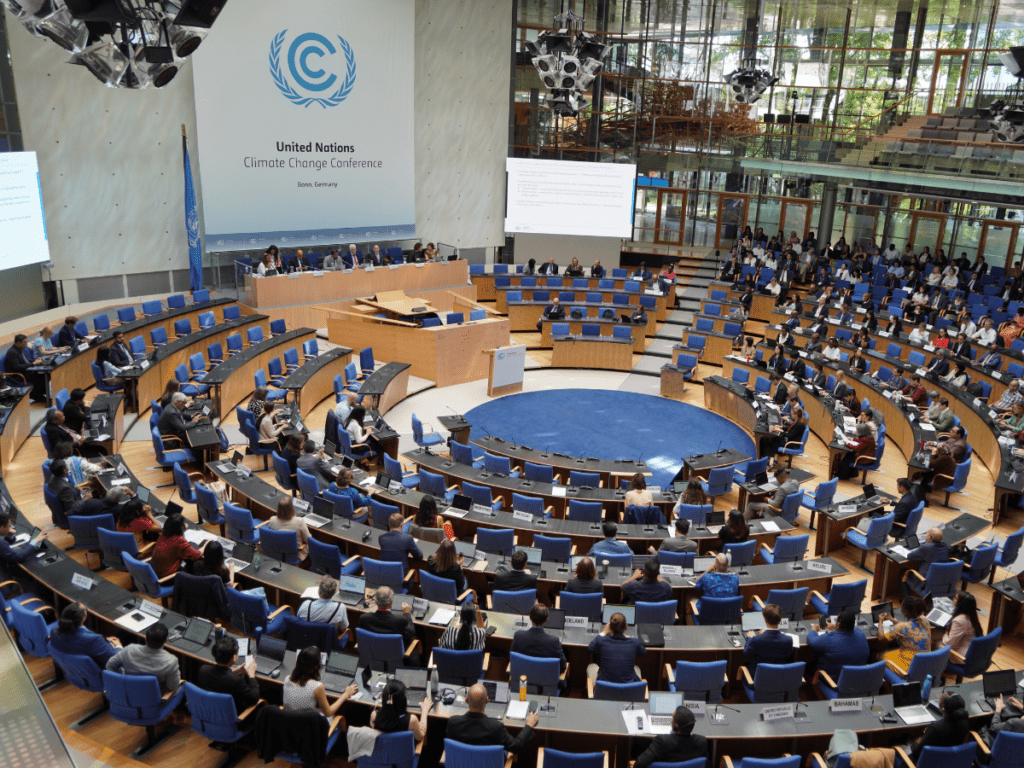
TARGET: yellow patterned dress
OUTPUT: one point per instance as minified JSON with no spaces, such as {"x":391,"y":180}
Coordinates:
{"x":913,"y":636}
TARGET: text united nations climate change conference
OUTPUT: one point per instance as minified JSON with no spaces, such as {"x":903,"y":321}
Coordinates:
{"x":315,"y":165}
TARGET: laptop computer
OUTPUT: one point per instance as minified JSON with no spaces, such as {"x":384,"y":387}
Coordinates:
{"x":640,"y":560}
{"x":532,"y":555}
{"x":415,"y":679}
{"x":497,"y":690}
{"x":1002,"y":682}
{"x":322,"y":514}
{"x":663,"y":707}
{"x":878,"y":610}
{"x":701,"y":564}
{"x":196,"y":636}
{"x":330,"y":448}
{"x":906,"y":700}
{"x":752,"y":621}
{"x":629,"y":611}
{"x":556,"y":619}
{"x":715,"y":517}
{"x":467,"y":549}
{"x":339,"y":672}
{"x":651,"y":635}
{"x":461,"y":504}
{"x":761,"y":478}
{"x":869,"y":491}
{"x":351,"y":590}
{"x":269,"y":654}
{"x":242,"y":555}
{"x":939,"y":617}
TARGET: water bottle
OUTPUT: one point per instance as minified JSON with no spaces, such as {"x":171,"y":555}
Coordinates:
{"x":926,"y":689}
{"x":522,"y":687}
{"x":218,"y":632}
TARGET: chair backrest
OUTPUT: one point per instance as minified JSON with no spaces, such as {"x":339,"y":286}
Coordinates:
{"x":518,"y":601}
{"x":254,"y":335}
{"x":126,"y":314}
{"x":380,"y":513}
{"x":391,"y":750}
{"x":587,"y":511}
{"x":437,"y":588}
{"x":846,"y":596}
{"x":234,"y":342}
{"x":541,"y":673}
{"x":232,"y":312}
{"x":980,"y":651}
{"x":742,"y":553}
{"x":554,"y":548}
{"x":589,"y":479}
{"x":134,"y":699}
{"x":114,"y":545}
{"x":720,"y":481}
{"x":459,"y":755}
{"x":539,"y":473}
{"x":324,"y":557}
{"x":790,"y":549}
{"x":663,"y":612}
{"x":458,"y":667}
{"x":791,"y":602}
{"x":878,"y":530}
{"x":534,"y":505}
{"x":778,"y":683}
{"x":861,"y":681}
{"x":651,"y":515}
{"x":85,"y":530}
{"x":942,"y":579}
{"x":720,"y":610}
{"x":143,"y":575}
{"x":501,"y":465}
{"x":590,"y":604}
{"x":620,"y":691}
{"x":701,"y":680}
{"x":309,"y":489}
{"x":384,"y":572}
{"x":928,"y":663}
{"x":382,"y":653}
{"x":695,"y":513}
{"x":214,"y":715}
{"x":247,"y":611}
{"x":1006,"y":750}
{"x":825,"y":493}
{"x":982,"y":562}
{"x":238,"y":524}
{"x":81,"y":671}
{"x":1011,"y":548}
{"x":182,"y":327}
{"x":302,"y":634}
{"x":948,"y":757}
{"x":279,"y":545}
{"x":197,"y":363}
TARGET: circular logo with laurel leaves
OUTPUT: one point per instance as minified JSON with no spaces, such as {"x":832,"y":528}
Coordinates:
{"x":302,"y":78}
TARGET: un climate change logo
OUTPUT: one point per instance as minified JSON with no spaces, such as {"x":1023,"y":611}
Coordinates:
{"x":305,"y":77}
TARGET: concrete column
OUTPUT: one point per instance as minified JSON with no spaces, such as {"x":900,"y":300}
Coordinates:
{"x":828,"y":212}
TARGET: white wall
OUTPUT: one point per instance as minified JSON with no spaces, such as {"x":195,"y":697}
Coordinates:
{"x":563,"y":247}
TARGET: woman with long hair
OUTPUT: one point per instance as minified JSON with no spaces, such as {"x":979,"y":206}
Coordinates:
{"x":735,"y":530}
{"x":964,"y":626}
{"x":171,"y":548}
{"x":271,"y":434}
{"x":638,"y":495}
{"x":446,"y":563}
{"x":470,"y":634}
{"x":694,"y":493}
{"x":286,"y":520}
{"x":172,"y":387}
{"x":585,"y":581}
{"x":303,"y":691}
{"x":359,"y":437}
{"x":214,"y":564}
{"x":950,"y":731}
{"x":393,"y":715}
{"x":135,"y":517}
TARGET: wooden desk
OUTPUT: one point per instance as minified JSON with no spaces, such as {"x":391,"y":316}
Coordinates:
{"x":603,"y":352}
{"x":314,"y":381}
{"x":716,"y":347}
{"x":673,"y":381}
{"x":14,"y":427}
{"x":444,"y":354}
{"x":580,"y":298}
{"x":607,"y":328}
{"x":485,"y":283}
{"x":386,"y":387}
{"x":523,"y":316}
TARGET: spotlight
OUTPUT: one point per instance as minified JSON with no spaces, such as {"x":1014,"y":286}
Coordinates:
{"x":1007,"y":121}
{"x":106,"y":61}
{"x":749,"y":84}
{"x":184,"y":40}
{"x":567,"y":60}
{"x":66,"y":31}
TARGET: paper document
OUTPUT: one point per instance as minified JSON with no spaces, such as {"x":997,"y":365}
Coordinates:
{"x":771,"y":526}
{"x":310,"y":593}
{"x":794,"y":637}
{"x":196,"y":537}
{"x":558,"y":490}
{"x":637,"y":721}
{"x":517,"y":710}
{"x":442,"y":616}
{"x":899,"y":550}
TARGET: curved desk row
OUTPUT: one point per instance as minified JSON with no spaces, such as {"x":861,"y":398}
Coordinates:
{"x":502,"y":304}
{"x":716,"y":346}
{"x":520,"y":454}
{"x":524,"y":315}
{"x":609,"y":353}
{"x":761,"y":307}
{"x":605,"y":328}
{"x":232,"y":380}
{"x":313,"y":381}
{"x":76,"y":371}
{"x":14,"y":424}
{"x":485,"y":283}
{"x":142,"y":385}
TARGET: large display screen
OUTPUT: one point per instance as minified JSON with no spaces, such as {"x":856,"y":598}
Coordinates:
{"x":21,"y":211}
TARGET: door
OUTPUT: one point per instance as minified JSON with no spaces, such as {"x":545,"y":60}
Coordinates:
{"x":998,"y":242}
{"x":948,"y":78}
{"x":731,"y":219}
{"x":671,"y":211}
{"x":796,"y":217}
{"x":645,"y":214}
{"x":926,"y":229}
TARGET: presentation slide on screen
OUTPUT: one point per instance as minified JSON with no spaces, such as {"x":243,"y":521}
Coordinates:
{"x":563,"y":197}
{"x":305,"y":115}
{"x":21,"y":211}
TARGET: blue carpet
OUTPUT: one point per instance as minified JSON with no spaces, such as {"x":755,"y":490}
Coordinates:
{"x":609,"y":425}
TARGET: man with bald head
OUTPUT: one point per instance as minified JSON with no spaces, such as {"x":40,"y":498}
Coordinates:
{"x":477,"y":729}
{"x":717,"y":581}
{"x":932,"y":550}
{"x":301,"y":265}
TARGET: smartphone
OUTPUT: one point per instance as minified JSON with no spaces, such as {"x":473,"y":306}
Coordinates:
{"x":822,"y":621}
{"x":533,"y":705}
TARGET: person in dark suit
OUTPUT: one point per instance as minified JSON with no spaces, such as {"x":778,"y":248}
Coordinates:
{"x":16,"y":361}
{"x":961,"y":347}
{"x":375,"y":257}
{"x":548,"y":268}
{"x":781,"y":390}
{"x":301,"y":262}
{"x":477,"y":729}
{"x":224,"y":677}
{"x":315,"y":464}
{"x":68,"y":335}
{"x":538,"y":643}
{"x":642,"y":273}
{"x":820,"y":378}
{"x":120,"y":355}
{"x":676,"y":747}
{"x":639,"y":316}
{"x":932,"y":550}
{"x":69,"y":497}
{"x":615,"y":653}
{"x":597,"y":270}
{"x":939,"y":365}
{"x":814,"y":346}
{"x":397,"y":543}
{"x":384,"y":622}
{"x":71,"y":636}
{"x":902,"y":508}
{"x":76,"y":411}
{"x":842,"y":644}
{"x":991,"y":359}
{"x":747,"y":299}
{"x":678,"y":543}
{"x":778,"y":362}
{"x":518,"y":578}
{"x":768,"y":646}
{"x":646,"y":585}
{"x":12,"y":554}
{"x":553,"y":311}
{"x":107,"y":504}
{"x":172,"y":423}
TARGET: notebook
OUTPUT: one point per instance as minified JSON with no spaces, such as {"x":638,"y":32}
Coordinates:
{"x":339,"y":672}
{"x":629,"y":611}
{"x":269,"y":654}
{"x":906,"y":701}
{"x":663,"y":707}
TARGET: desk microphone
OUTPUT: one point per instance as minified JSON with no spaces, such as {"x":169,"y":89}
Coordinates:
{"x":722,"y":706}
{"x":454,"y":411}
{"x":718,"y":451}
{"x":640,"y":460}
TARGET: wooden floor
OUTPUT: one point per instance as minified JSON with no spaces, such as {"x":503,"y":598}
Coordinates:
{"x":106,"y":740}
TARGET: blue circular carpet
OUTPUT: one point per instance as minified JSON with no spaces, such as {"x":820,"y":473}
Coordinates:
{"x":609,"y":425}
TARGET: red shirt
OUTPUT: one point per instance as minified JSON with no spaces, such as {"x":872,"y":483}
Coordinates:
{"x":169,"y":552}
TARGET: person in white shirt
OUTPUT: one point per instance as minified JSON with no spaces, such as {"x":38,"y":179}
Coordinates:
{"x":935,"y":277}
{"x":843,"y":273}
{"x":770,"y":261}
{"x":920,"y":334}
{"x":986,"y":334}
{"x":832,"y":351}
{"x":920,"y":296}
{"x":968,"y":328}
{"x":344,"y":408}
{"x":774,"y":288}
{"x":950,"y":282}
{"x":324,"y":610}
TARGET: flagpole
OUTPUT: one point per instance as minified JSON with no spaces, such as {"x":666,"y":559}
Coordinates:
{"x":184,"y":155}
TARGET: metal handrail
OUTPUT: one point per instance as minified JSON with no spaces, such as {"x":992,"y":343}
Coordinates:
{"x":858,"y":125}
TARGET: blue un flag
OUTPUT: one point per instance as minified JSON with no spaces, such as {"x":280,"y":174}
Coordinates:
{"x":195,"y":252}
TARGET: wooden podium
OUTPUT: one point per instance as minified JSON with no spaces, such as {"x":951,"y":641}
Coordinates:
{"x":506,"y":370}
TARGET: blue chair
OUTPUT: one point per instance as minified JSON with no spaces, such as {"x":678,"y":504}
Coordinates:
{"x":126,"y":315}
{"x":215,"y":717}
{"x":500,"y":465}
{"x":624,"y":560}
{"x":823,"y":496}
{"x":747,"y":471}
{"x":742,"y":554}
{"x":115,"y":545}
{"x":254,"y":336}
{"x":343,"y":507}
{"x":283,"y":473}
{"x":85,"y":531}
{"x":773,"y":683}
{"x":291,"y":360}
{"x":1006,"y":750}
{"x":585,"y":479}
{"x":61,"y":399}
{"x":275,"y":371}
{"x":923,"y":664}
{"x":590,"y":604}
{"x":940,"y":580}
{"x":150,"y":308}
{"x":519,"y":601}
{"x":234,"y":342}
{"x":542,"y":674}
{"x":599,"y":689}
{"x":136,"y":700}
{"x":182,"y":328}
{"x":791,"y":602}
{"x":282,"y":546}
{"x":940,"y":757}
{"x":698,"y":680}
{"x":393,"y":467}
{"x":249,"y":614}
{"x":481,"y":495}
{"x":761,"y":762}
{"x":688,"y":363}
{"x":554,"y":548}
{"x":682,"y":559}
{"x":741,"y":376}
{"x":146,"y":580}
{"x":137,"y":346}
{"x":438,"y":589}
{"x":978,"y":657}
{"x":209,"y":508}
{"x":871,"y":463}
{"x":379,"y":573}
{"x":911,"y":526}
{"x":1008,"y":554}
{"x":177,"y":301}
{"x":586,"y":511}
{"x":454,"y":318}
{"x":31,"y":628}
{"x":459,"y":755}
{"x":787,"y":549}
{"x":232,"y":312}
{"x":239,"y":525}
{"x":366,"y":361}
{"x":278,"y":327}
{"x":534,"y":505}
{"x":791,"y":449}
{"x":421,"y":438}
{"x":719,"y":481}
{"x":716,"y":610}
{"x":247,"y":426}
{"x":101,"y":323}
{"x":383,"y":653}
{"x":553,"y":758}
{"x":840,"y":598}
{"x":877,"y":534}
{"x":853,"y":681}
{"x":695,"y":513}
{"x":381,"y":513}
{"x":464,"y":455}
{"x":273,"y":394}
{"x":390,"y":750}
{"x":538,"y":473}
{"x":326,"y":558}
{"x":100,"y":382}
{"x":309,"y":488}
{"x":663,"y":612}
{"x":958,"y":481}
{"x":83,"y":673}
{"x":790,"y":507}
{"x":980,"y":567}
{"x":310,"y":350}
{"x":433,"y":485}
